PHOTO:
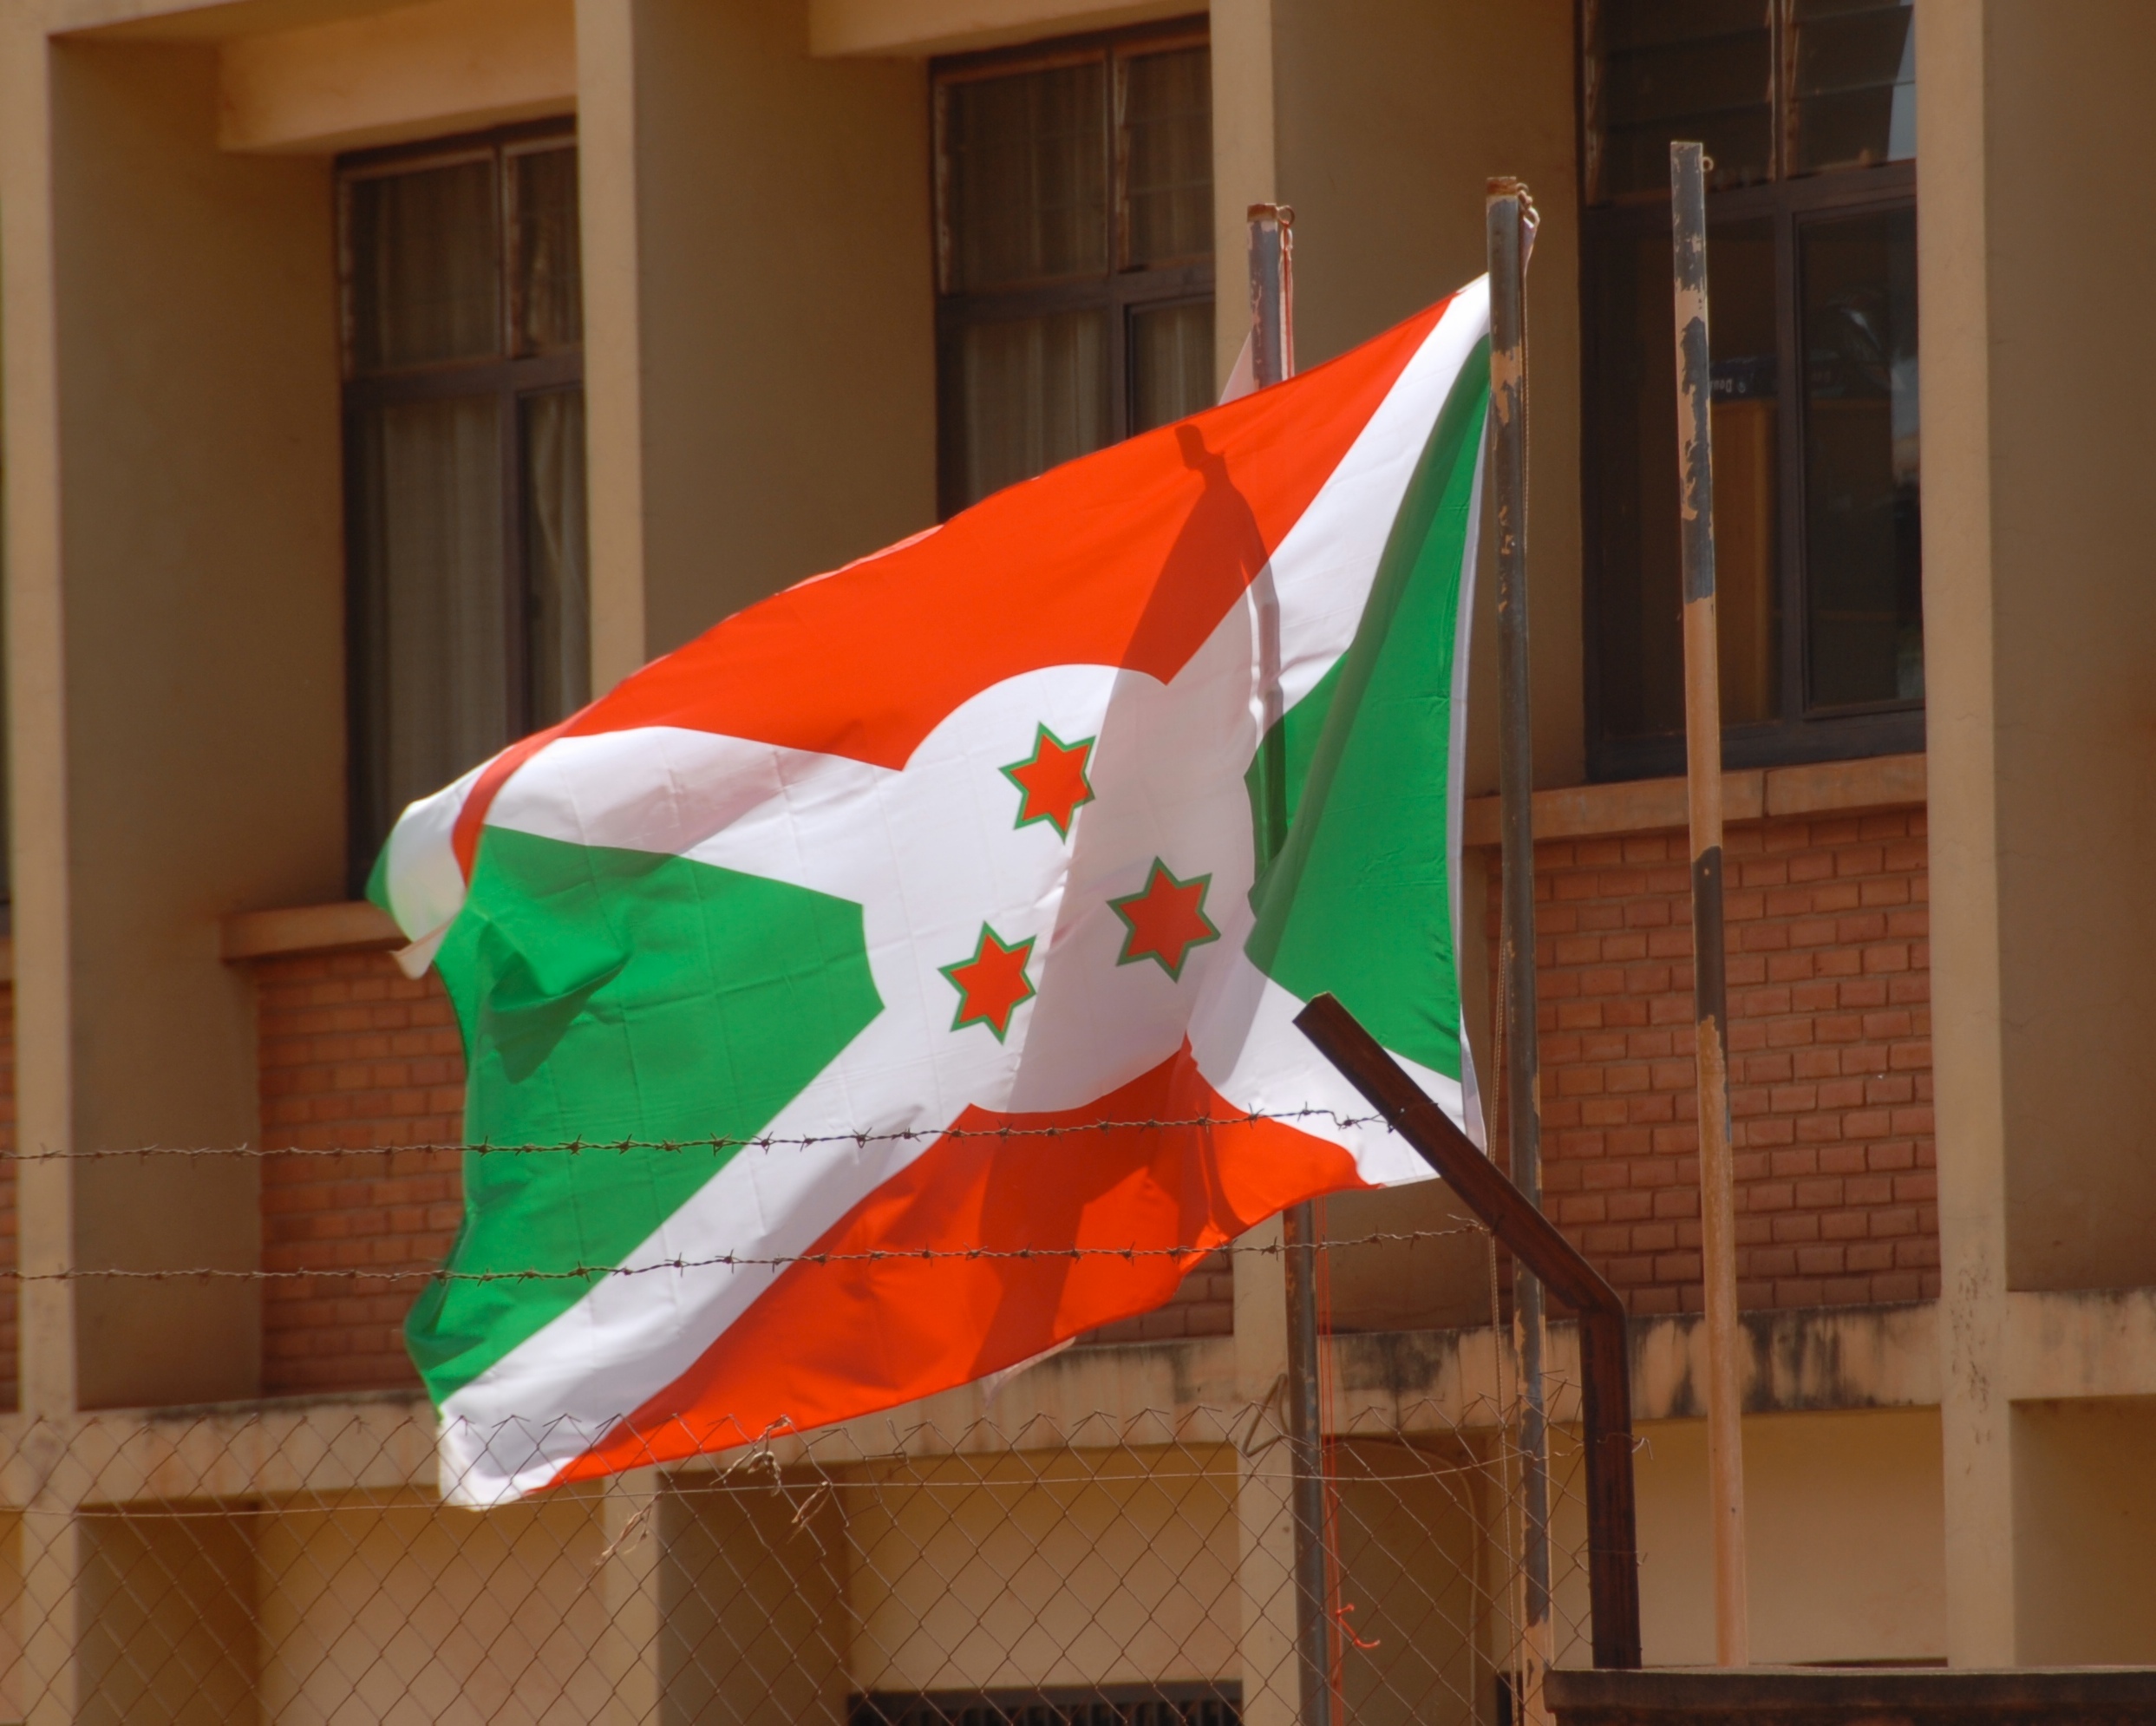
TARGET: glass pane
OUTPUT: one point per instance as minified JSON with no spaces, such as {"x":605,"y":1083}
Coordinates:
{"x":558,"y":638}
{"x":1863,"y":554}
{"x":1026,"y":161}
{"x":432,"y":664}
{"x":1856,"y":83}
{"x":549,"y":285}
{"x":1167,"y":154}
{"x":1631,"y":445}
{"x":1741,"y":276}
{"x":424,"y":250}
{"x":1031,"y":392}
{"x":1171,"y":363}
{"x":1696,"y":69}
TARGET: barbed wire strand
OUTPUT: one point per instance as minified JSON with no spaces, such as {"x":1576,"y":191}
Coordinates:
{"x":723,"y":1260}
{"x":714,"y":1143}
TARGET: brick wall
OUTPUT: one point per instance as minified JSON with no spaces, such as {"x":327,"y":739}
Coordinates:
{"x":1830,"y":1060}
{"x":1203,"y":1307}
{"x":354,"y":1054}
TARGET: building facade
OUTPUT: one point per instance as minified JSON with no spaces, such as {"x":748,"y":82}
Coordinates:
{"x":381,"y":380}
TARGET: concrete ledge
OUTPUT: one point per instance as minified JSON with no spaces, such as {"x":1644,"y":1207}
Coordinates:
{"x":2072,"y":1343}
{"x":1801,"y":1696}
{"x":1657,"y":805}
{"x":356,"y":927}
{"x":915,"y":28}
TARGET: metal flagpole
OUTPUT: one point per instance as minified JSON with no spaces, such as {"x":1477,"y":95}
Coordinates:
{"x":1511,"y":221}
{"x":1702,"y":737}
{"x":1273,"y":355}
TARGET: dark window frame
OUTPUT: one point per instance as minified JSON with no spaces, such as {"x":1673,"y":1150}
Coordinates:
{"x":1159,"y":1705}
{"x":1122,"y":293}
{"x":508,"y":378}
{"x":1799,"y":733}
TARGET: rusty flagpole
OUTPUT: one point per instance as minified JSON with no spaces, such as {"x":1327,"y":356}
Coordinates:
{"x":1511,"y":221}
{"x":1272,"y":361}
{"x":1702,"y":735}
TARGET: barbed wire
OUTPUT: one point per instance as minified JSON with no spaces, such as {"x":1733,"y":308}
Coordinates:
{"x":728,"y":1261}
{"x":714,"y":1143}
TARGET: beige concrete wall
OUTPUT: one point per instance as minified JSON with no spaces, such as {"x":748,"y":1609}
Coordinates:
{"x":169,"y":1622}
{"x":413,"y":72}
{"x":1410,"y":1522}
{"x":37,"y":710}
{"x":2068,"y":130}
{"x":1389,"y":117}
{"x":1954,"y":248}
{"x":752,"y":1599}
{"x":410,"y":1614}
{"x":1439,"y":1282}
{"x":198,"y":567}
{"x":1845,"y":1516}
{"x":1049,"y":1567}
{"x":781,"y":392}
{"x":2085,"y":1499}
{"x":838,"y":27}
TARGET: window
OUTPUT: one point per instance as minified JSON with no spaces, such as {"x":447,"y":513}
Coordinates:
{"x":1073,"y":250}
{"x":464,"y":459}
{"x":1807,"y":110}
{"x":1167,"y":1704}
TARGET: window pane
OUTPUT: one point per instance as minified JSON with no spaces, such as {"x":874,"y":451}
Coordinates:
{"x":424,"y":247}
{"x":432,"y":667}
{"x":1632,"y":446}
{"x":1696,"y":69}
{"x":1171,"y":362}
{"x":558,"y":630}
{"x":1167,"y":154}
{"x":1863,"y":554}
{"x":1856,"y":83}
{"x":1031,"y":392}
{"x":549,"y":286}
{"x":1027,"y":163}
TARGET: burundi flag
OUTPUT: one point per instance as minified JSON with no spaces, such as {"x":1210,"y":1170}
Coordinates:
{"x":851,"y":910}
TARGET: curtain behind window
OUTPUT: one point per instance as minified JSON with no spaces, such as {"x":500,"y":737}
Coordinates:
{"x":557,"y":649}
{"x":430,"y":522}
{"x":468,"y":616}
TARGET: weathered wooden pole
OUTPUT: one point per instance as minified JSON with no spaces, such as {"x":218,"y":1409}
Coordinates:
{"x":1510,"y":219}
{"x":1272,"y":361}
{"x":1702,"y":739}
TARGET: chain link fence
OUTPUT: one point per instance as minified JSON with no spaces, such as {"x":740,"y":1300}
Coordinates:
{"x":1016,"y":1564}
{"x":1105,"y":1537}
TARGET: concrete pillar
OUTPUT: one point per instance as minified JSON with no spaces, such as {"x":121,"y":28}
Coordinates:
{"x":613,"y":367}
{"x":1976,"y":1430}
{"x":1243,"y":169}
{"x":49,"y":1541}
{"x":175,"y":574}
{"x":1265,"y":1515}
{"x":2037,"y":229}
{"x":760,"y":318}
{"x":53,"y":1542}
{"x":628,"y":1583}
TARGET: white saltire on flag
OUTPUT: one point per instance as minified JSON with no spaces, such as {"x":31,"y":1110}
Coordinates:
{"x":961,"y":836}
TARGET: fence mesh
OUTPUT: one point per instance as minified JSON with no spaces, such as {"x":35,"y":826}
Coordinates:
{"x":1017,"y":1565}
{"x":1104,"y":1538}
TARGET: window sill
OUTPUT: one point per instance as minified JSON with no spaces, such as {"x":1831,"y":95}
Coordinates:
{"x":1749,"y":794}
{"x":356,"y":927}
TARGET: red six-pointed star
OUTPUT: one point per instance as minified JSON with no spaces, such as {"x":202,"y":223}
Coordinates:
{"x":1166,"y":918}
{"x":992,"y":983}
{"x":1052,"y":781}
